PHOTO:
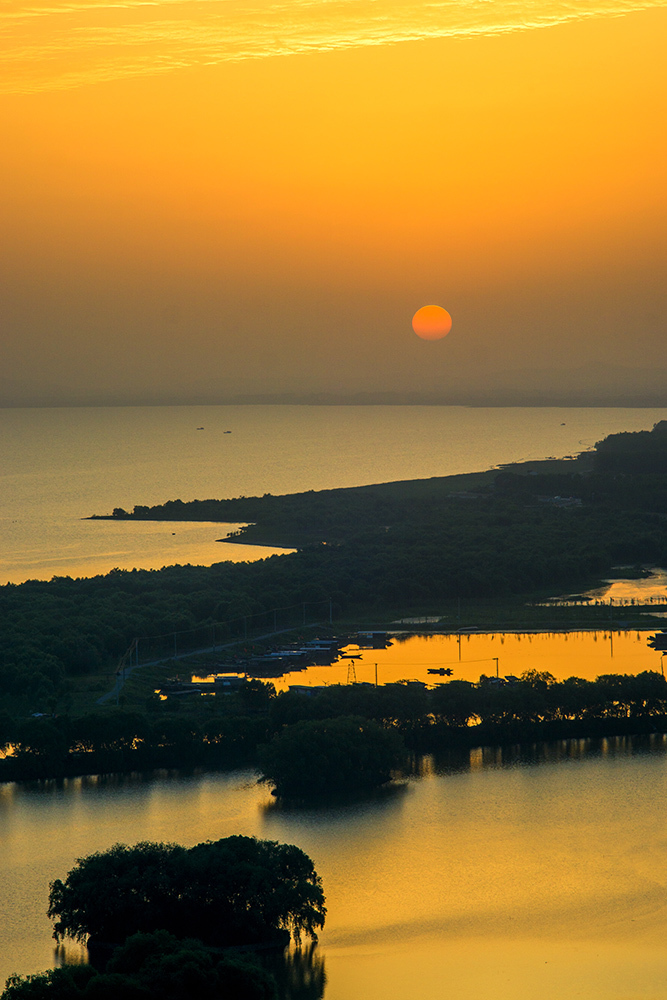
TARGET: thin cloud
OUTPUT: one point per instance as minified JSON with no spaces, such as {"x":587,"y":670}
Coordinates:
{"x":64,"y":45}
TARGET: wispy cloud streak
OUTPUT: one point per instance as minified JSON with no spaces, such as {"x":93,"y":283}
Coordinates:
{"x":60,"y":45}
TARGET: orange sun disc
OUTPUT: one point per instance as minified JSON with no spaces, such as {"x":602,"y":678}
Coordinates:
{"x":431,"y":322}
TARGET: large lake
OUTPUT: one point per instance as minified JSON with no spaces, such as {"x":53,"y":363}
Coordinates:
{"x":540,"y":877}
{"x":58,"y":466}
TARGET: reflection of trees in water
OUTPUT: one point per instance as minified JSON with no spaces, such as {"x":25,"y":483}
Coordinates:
{"x":70,"y":953}
{"x":299,"y":973}
{"x":380,"y":799}
{"x":461,"y":761}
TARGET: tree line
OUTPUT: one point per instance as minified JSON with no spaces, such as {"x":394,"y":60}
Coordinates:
{"x":389,"y":549}
{"x":452,"y":714}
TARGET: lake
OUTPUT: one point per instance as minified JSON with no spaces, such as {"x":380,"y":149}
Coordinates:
{"x":540,"y":876}
{"x":493,"y":874}
{"x":58,"y":466}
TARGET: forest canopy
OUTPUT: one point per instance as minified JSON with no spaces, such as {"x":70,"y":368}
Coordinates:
{"x":237,"y":890}
{"x":338,"y":755}
{"x":394,"y":548}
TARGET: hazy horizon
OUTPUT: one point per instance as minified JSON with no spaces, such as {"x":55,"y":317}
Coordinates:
{"x":627,"y":390}
{"x":213,"y":202}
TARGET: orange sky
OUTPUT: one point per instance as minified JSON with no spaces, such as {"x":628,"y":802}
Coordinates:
{"x":269,"y":225}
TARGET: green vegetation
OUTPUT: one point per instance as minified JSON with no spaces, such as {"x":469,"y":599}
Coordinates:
{"x":154,"y":966}
{"x":478,"y":546}
{"x":331,"y":756}
{"x":160,"y":916}
{"x":486,"y":546}
{"x":238,"y":890}
{"x":452,"y":714}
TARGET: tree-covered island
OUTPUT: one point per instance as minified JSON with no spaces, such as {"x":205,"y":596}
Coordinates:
{"x":159,"y":920}
{"x":317,"y":757}
{"x":235,"y":891}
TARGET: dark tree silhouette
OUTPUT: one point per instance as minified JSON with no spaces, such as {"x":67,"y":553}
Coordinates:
{"x":331,"y":755}
{"x":233,"y":891}
{"x":151,"y":967}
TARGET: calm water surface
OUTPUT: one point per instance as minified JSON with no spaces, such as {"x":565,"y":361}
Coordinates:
{"x":60,"y":465}
{"x":540,"y":877}
{"x":508,"y":878}
{"x":562,"y":654}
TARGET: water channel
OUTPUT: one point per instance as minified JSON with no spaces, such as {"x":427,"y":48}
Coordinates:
{"x":540,"y":875}
{"x":586,"y":654}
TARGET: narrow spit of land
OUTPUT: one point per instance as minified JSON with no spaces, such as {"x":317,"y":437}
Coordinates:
{"x":596,"y":508}
{"x":314,"y":517}
{"x":481,"y":550}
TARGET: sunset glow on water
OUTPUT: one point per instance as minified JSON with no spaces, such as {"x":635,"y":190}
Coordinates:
{"x":219,"y":218}
{"x":59,"y":466}
{"x":571,"y":654}
{"x":495,"y":874}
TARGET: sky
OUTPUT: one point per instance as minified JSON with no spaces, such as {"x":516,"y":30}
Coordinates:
{"x":210,"y":201}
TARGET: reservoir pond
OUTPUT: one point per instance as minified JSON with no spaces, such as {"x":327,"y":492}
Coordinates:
{"x":539,"y":874}
{"x":586,"y":654}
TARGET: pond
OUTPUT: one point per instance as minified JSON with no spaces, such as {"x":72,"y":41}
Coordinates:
{"x":468,"y":655}
{"x":496,"y":873}
{"x":650,"y":588}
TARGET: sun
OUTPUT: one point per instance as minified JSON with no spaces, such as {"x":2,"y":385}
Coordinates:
{"x":431,"y":322}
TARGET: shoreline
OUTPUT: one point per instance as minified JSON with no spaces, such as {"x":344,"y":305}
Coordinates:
{"x":455,"y":739}
{"x":545,"y":630}
{"x":265,"y":545}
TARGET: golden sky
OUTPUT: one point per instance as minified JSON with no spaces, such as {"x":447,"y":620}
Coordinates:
{"x":212,"y":199}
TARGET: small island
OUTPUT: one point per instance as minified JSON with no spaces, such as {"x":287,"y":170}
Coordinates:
{"x":159,"y":920}
{"x":338,"y":756}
